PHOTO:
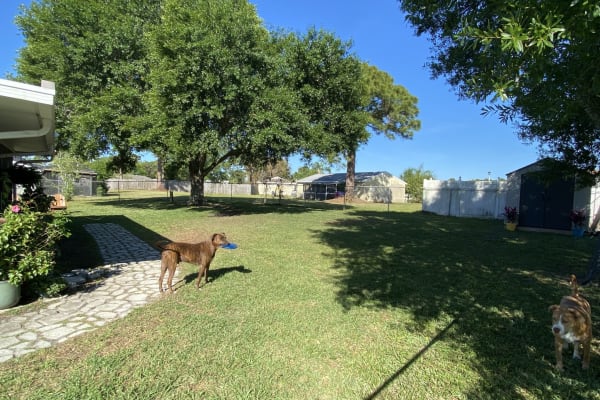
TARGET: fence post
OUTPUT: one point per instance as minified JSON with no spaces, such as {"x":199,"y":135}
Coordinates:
{"x":266,"y":190}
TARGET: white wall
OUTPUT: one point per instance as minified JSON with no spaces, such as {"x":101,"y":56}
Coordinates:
{"x":487,"y":199}
{"x":484,"y":199}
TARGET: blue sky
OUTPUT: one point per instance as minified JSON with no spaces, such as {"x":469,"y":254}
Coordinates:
{"x":454,"y":140}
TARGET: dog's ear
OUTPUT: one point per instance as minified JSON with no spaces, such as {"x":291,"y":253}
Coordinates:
{"x":572,"y":279}
{"x":553,"y":307}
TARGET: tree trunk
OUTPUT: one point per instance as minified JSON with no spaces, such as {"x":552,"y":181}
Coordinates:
{"x":160,"y":174}
{"x":197,"y":176}
{"x":350,"y":175}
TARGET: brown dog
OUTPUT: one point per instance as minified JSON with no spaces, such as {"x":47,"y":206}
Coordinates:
{"x":172,"y":253}
{"x":572,"y":322}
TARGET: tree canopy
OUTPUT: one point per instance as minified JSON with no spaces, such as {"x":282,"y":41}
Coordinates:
{"x":414,"y":178}
{"x":388,"y":109}
{"x":95,"y":54}
{"x":218,"y":89}
{"x":534,"y":62}
{"x":202,"y":82}
{"x":327,"y":78}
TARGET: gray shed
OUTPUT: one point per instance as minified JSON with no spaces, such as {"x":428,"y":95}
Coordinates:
{"x":85,"y":184}
{"x":547,"y":205}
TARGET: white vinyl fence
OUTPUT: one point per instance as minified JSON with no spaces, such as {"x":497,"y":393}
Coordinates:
{"x":281,"y":190}
{"x":228,"y":189}
{"x":484,"y":199}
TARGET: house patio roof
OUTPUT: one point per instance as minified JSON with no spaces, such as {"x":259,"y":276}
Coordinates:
{"x":26,"y":119}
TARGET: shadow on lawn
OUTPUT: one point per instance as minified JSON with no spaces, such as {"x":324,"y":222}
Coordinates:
{"x":496,"y":285}
{"x":80,"y":249}
{"x":216,"y":273}
{"x":223,"y":206}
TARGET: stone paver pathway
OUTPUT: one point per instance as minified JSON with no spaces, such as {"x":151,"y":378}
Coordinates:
{"x":132,"y":268}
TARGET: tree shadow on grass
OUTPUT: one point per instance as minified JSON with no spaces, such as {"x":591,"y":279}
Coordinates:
{"x":223,"y":206}
{"x":80,"y":250}
{"x":497,"y":286}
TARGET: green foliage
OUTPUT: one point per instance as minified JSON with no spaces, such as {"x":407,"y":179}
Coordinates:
{"x":27,"y":240}
{"x":99,"y":166}
{"x":201,"y":82}
{"x":535,"y":62}
{"x":123,"y":162}
{"x":217,"y":89}
{"x":414,"y":178}
{"x":260,"y":173}
{"x":176,"y":170}
{"x":326,"y":76}
{"x":311,"y":169}
{"x":229,"y":173}
{"x":390,"y":108}
{"x":36,"y":199}
{"x":346,"y":100}
{"x":146,"y":168}
{"x":94,"y":51}
{"x":51,"y":285}
{"x":106,"y":167}
{"x":67,"y":166}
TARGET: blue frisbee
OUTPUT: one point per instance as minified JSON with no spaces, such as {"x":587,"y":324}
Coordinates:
{"x":229,"y":246}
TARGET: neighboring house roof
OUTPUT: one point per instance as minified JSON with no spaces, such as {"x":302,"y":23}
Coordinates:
{"x":81,"y":171}
{"x":26,"y":119}
{"x":341,"y":177}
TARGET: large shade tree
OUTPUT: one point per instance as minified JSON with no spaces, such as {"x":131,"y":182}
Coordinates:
{"x":94,"y":52}
{"x":198,"y":82}
{"x":327,"y":77}
{"x":219,"y":89}
{"x":389,"y":109}
{"x":533,"y":62}
{"x":346,"y":99}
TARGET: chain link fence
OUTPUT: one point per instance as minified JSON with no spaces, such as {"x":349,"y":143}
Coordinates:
{"x":83,"y":186}
{"x":265,"y":190}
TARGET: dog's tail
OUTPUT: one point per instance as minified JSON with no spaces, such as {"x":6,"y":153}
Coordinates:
{"x":574,"y":286}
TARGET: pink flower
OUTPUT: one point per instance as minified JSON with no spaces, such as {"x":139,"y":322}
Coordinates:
{"x":16,"y":209}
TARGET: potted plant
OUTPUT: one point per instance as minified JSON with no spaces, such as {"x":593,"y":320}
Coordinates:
{"x":27,"y":247}
{"x":511,"y":217}
{"x":578,"y":219}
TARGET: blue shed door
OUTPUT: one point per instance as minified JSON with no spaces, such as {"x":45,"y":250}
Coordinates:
{"x":546,"y":205}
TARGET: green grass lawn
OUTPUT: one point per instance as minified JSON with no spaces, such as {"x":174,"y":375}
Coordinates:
{"x":322,"y":302}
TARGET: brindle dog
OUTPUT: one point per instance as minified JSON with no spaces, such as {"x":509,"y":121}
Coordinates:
{"x":172,"y":253}
{"x":572,"y":323}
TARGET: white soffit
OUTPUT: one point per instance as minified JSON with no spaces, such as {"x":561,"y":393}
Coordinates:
{"x":27,"y":119}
